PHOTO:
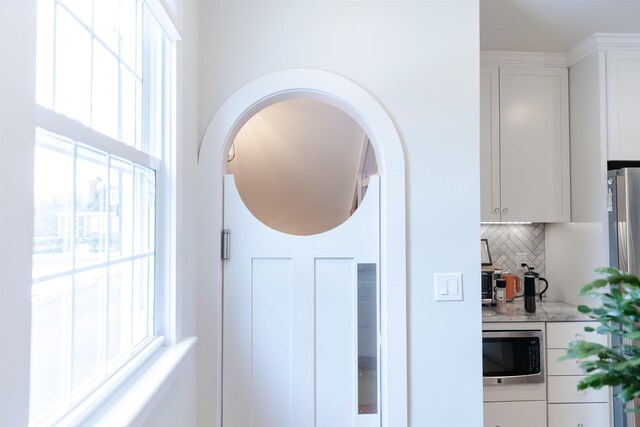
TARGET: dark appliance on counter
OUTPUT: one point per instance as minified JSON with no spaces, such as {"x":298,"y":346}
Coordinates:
{"x":623,"y":204}
{"x":487,"y":287}
{"x":512,"y":357}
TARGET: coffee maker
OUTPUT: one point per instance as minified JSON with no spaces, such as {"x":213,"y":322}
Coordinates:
{"x":531,"y":284}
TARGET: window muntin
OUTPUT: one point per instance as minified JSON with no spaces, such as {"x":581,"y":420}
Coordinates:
{"x":97,"y":292}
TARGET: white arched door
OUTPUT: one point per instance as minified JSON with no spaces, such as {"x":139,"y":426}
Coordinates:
{"x":301,"y":321}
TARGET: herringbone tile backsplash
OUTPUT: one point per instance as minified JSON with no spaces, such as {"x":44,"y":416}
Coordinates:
{"x":506,"y":240}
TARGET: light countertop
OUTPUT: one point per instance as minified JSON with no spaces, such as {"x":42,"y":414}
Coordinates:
{"x":546,"y":311}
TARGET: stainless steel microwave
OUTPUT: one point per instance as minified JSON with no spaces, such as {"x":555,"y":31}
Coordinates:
{"x":512,"y":357}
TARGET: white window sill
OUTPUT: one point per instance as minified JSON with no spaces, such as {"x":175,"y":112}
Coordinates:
{"x":127,"y":404}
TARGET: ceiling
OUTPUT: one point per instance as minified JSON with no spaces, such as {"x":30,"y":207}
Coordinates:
{"x":552,"y":25}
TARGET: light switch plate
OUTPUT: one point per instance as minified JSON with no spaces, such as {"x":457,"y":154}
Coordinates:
{"x":448,"y":286}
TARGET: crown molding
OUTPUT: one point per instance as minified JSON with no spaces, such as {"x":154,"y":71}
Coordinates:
{"x":601,"y":42}
{"x":489,"y":57}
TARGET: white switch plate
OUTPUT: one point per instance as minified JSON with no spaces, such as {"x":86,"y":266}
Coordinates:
{"x":448,"y":286}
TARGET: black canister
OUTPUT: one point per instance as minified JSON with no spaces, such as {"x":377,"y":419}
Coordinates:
{"x":529,"y":293}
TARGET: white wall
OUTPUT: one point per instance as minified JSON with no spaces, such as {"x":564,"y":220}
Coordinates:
{"x":420,"y":60}
{"x":575,"y":249}
{"x":295,"y":164}
{"x":17,"y":140}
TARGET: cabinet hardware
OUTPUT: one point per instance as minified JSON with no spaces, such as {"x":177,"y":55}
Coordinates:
{"x":505,"y":211}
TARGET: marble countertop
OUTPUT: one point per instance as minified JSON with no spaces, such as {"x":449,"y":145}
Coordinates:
{"x":546,"y":311}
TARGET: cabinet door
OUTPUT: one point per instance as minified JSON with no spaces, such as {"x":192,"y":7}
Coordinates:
{"x":623,"y":104}
{"x":579,"y":415}
{"x":489,"y":144}
{"x":565,"y":367}
{"x":560,"y":334}
{"x":515,"y":414}
{"x":564,"y":389}
{"x":534,"y":144}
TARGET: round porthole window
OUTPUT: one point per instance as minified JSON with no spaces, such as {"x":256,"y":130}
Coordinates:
{"x":302,"y":166}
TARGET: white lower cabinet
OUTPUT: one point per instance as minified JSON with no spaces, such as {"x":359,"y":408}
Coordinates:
{"x":515,"y":414}
{"x":568,"y":407}
{"x":579,"y":415}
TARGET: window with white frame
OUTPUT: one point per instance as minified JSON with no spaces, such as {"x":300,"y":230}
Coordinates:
{"x":104,"y":79}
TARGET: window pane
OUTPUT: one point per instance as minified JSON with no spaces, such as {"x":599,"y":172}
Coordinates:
{"x":151,"y":210}
{"x":88,"y":327}
{"x":91,"y":207}
{"x":128,"y":106}
{"x":367,"y":340}
{"x":128,"y":32}
{"x":120,"y":209}
{"x":119,"y":316}
{"x":81,"y":9}
{"x":73,"y":68}
{"x":151,"y":293}
{"x":105,"y":91}
{"x":50,"y":345}
{"x":53,"y":204}
{"x":144,"y":210}
{"x":105,"y":22}
{"x":138,"y":112}
{"x":44,"y":56}
{"x":153,"y":79}
{"x":139,"y":42}
{"x":140,"y":299}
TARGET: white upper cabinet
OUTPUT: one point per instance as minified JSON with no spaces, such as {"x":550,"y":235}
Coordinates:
{"x":623,"y":104}
{"x":489,"y":144}
{"x":524,"y":144}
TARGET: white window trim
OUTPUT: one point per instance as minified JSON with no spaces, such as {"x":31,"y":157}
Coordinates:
{"x":123,"y":397}
{"x":69,"y":128}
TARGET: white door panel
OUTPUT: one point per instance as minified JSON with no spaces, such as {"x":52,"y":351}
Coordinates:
{"x":335,"y":312}
{"x":291,"y":328}
{"x":272,"y":343}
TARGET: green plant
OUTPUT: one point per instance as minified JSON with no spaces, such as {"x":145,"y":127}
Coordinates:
{"x":619,"y":315}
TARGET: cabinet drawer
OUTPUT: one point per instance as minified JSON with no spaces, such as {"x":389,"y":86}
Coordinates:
{"x":560,"y":334}
{"x":512,"y":414}
{"x":579,"y":415}
{"x":565,"y":390}
{"x":566,"y":367}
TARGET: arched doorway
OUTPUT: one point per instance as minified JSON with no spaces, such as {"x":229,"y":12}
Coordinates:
{"x":364,"y":109}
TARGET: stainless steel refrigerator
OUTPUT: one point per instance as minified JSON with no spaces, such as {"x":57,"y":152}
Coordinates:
{"x":624,"y":248}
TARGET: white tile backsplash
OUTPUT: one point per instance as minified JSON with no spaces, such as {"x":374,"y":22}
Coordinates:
{"x":506,"y":240}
